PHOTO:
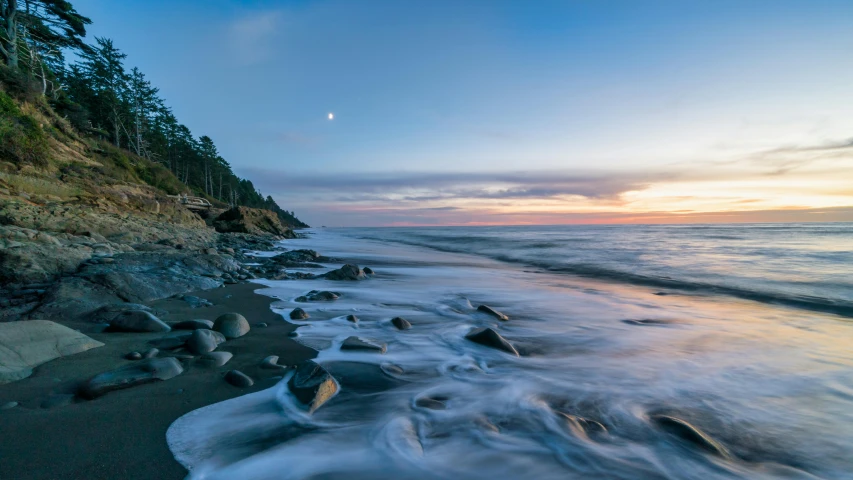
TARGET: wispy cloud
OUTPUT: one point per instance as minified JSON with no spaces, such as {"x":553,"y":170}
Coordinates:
{"x":252,"y":37}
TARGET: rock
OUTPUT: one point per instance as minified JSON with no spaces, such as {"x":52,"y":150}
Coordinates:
{"x":26,"y":344}
{"x":8,"y":405}
{"x":209,"y":251}
{"x":367,"y":271}
{"x":238,"y":379}
{"x":315,"y":296}
{"x":357,"y":343}
{"x":214,"y":359}
{"x":202,"y":341}
{"x":251,"y":220}
{"x":151,"y":353}
{"x":138,"y":321}
{"x":193,"y":325}
{"x":271,"y":363}
{"x":312,"y":385}
{"x":196,"y":302}
{"x":490,"y":338}
{"x":298,"y":314}
{"x":133,"y":356}
{"x":58,"y":400}
{"x":293,"y":334}
{"x":391,"y":369}
{"x":432,"y":403}
{"x":352,"y":318}
{"x":172,"y":342}
{"x":232,"y":325}
{"x":691,"y":434}
{"x":491,"y":311}
{"x":108,"y":313}
{"x":582,"y":426}
{"x":262,"y":325}
{"x":401,"y":323}
{"x":139,"y":373}
{"x":347,"y":272}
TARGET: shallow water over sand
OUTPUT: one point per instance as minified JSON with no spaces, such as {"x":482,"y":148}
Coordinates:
{"x":771,"y":386}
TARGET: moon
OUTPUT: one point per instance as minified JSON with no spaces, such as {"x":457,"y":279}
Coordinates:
{"x":331,"y":116}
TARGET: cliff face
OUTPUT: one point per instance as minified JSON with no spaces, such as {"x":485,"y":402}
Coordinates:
{"x":82,"y":222}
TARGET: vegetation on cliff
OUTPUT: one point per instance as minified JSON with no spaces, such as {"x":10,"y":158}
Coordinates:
{"x":54,"y":113}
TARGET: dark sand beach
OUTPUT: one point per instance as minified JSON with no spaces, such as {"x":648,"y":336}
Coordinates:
{"x":122,"y":434}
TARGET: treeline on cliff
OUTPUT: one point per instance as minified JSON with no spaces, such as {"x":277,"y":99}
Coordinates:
{"x":100,"y":97}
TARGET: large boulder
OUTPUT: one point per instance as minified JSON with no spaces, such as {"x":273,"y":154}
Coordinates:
{"x":254,"y":221}
{"x":312,"y":385}
{"x":347,"y":272}
{"x":26,"y":344}
{"x":138,"y":321}
{"x":139,"y":373}
{"x":490,"y":338}
{"x":232,"y":325}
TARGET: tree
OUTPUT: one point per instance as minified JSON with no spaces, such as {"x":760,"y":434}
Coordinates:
{"x":9,"y":38}
{"x":104,"y":70}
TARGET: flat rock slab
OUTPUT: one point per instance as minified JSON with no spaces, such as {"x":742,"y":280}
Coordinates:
{"x":490,"y":338}
{"x":312,"y":385}
{"x":139,"y":373}
{"x":363,"y":344}
{"x":491,"y":311}
{"x":27,"y":344}
{"x":138,"y":321}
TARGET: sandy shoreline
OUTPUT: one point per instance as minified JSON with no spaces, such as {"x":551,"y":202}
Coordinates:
{"x":123,"y":434}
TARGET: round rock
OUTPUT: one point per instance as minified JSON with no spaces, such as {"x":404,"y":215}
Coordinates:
{"x":133,"y":356}
{"x":238,"y":379}
{"x":298,"y":314}
{"x":232,"y":325}
{"x":401,"y":323}
{"x":202,"y":341}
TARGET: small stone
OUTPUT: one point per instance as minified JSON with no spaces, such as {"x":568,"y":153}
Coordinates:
{"x":352,"y":318}
{"x":490,"y":338}
{"x":133,"y":356}
{"x":193,"y":325}
{"x":202,"y":341}
{"x":151,"y":353}
{"x":312,"y":385}
{"x":293,"y":334}
{"x":271,"y":363}
{"x":262,"y":325}
{"x":138,"y":321}
{"x":491,"y":311}
{"x":358,"y":343}
{"x":238,"y":379}
{"x":401,"y":323}
{"x":8,"y":405}
{"x":367,"y":270}
{"x":298,"y":314}
{"x":214,"y":359}
{"x":232,"y":325}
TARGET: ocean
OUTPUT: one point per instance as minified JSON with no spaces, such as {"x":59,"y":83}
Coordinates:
{"x":661,"y":352}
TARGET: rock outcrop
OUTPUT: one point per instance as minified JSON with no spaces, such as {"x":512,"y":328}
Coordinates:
{"x":251,"y":220}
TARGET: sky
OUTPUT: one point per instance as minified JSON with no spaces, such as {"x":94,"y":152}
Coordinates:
{"x":512,"y":112}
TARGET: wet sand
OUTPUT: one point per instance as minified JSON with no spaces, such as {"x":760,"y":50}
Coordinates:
{"x":123,"y":434}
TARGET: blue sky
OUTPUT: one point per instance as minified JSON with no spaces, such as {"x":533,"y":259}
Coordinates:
{"x":453,"y":112}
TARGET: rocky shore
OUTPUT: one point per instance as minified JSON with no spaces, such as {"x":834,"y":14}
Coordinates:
{"x":112,"y":326}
